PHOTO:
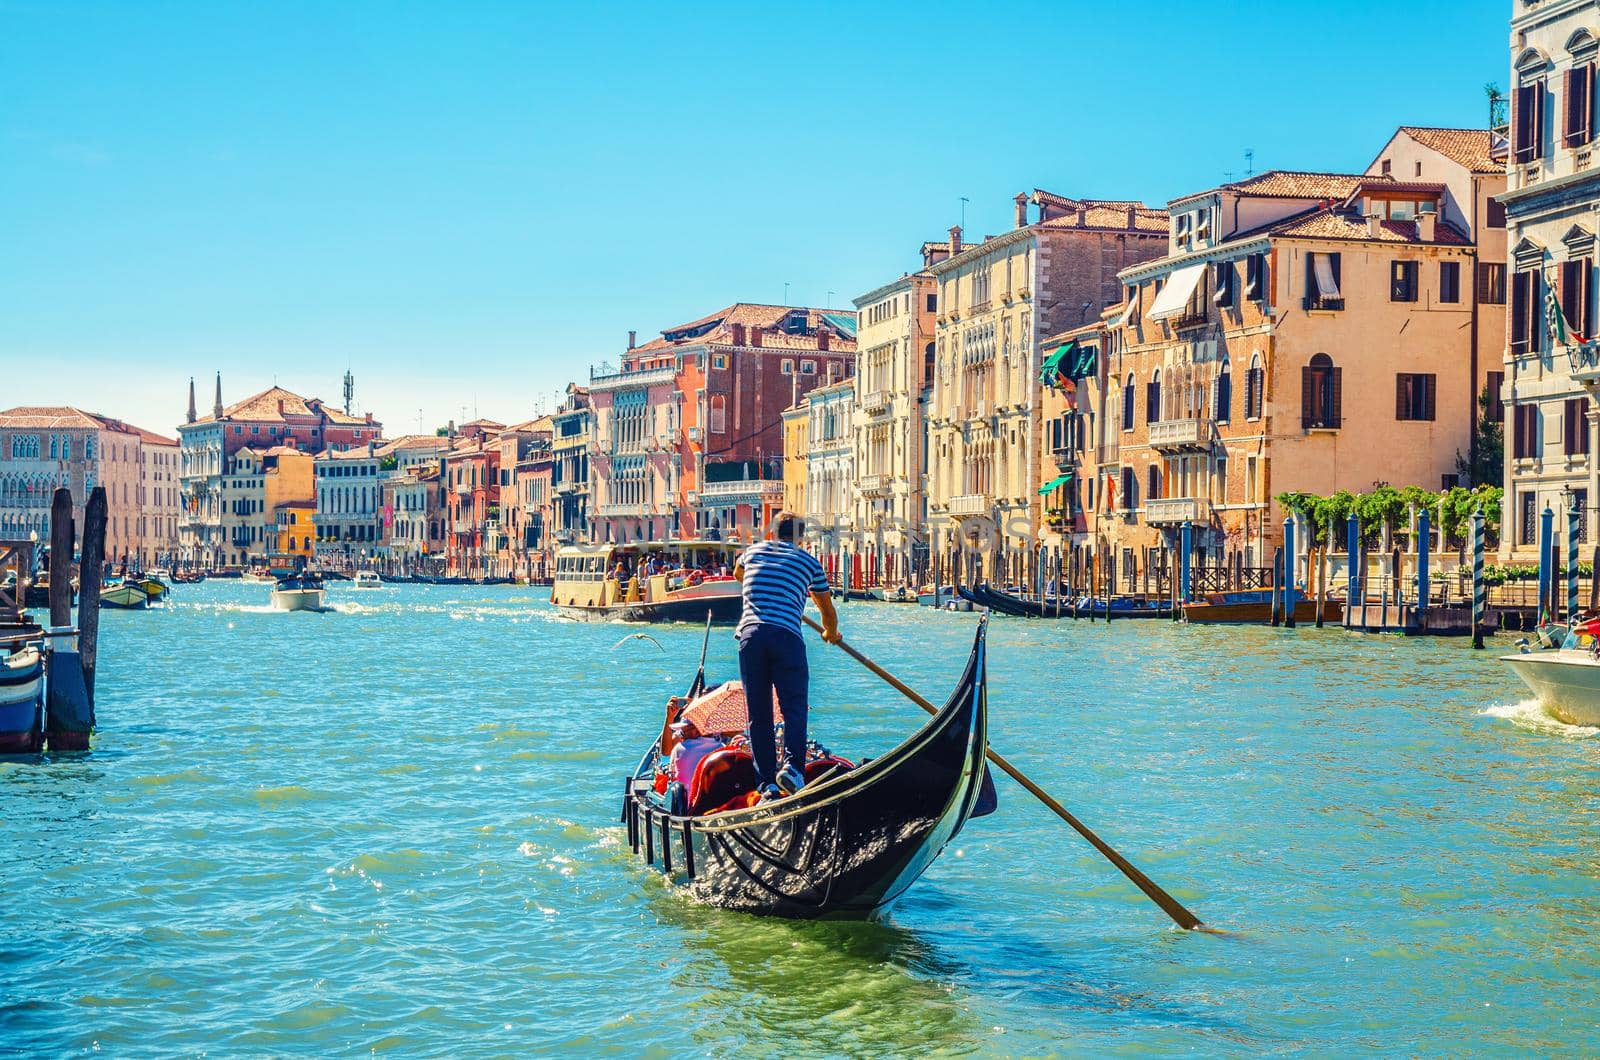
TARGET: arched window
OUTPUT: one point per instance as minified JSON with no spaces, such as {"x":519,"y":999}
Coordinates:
{"x":1255,"y":379}
{"x":1222,"y":395}
{"x":1319,"y":393}
{"x":719,"y":414}
{"x":1127,"y":404}
{"x":1152,"y":398}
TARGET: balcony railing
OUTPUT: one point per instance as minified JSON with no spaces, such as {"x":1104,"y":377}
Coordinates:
{"x":1585,"y":361}
{"x":1173,"y":510}
{"x":1193,"y":433}
{"x":625,"y":510}
{"x":564,"y":488}
{"x":1317,"y":301}
{"x":970,"y":504}
{"x":1189,"y":317}
{"x":750,"y":490}
{"x":980,"y":410}
{"x":875,"y":485}
{"x":622,"y":380}
{"x":875,"y":401}
{"x":1108,"y":454}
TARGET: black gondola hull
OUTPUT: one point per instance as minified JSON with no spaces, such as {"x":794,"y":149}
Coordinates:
{"x":845,"y":847}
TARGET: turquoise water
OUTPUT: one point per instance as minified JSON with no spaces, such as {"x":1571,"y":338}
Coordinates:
{"x":393,"y":828}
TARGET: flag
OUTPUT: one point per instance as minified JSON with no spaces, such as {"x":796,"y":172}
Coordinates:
{"x":1561,"y":333}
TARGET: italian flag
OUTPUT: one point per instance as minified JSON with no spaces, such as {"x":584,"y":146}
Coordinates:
{"x":1561,"y":333}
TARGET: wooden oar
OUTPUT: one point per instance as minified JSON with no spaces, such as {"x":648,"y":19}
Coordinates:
{"x":1170,"y":905}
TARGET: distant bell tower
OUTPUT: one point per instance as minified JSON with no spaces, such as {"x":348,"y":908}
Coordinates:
{"x":216,"y":408}
{"x":192,"y":416}
{"x":349,"y":392}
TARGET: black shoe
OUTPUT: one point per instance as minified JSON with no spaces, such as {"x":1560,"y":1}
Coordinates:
{"x":790,"y":779}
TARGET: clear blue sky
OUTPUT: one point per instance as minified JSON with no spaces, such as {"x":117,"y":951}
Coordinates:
{"x":468,"y":203}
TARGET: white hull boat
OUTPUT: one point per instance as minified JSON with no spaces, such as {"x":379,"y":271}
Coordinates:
{"x":1566,"y":682}
{"x":298,"y":599}
{"x":366,"y":579}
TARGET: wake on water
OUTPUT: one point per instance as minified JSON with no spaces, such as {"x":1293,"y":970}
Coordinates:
{"x":1530,"y":714}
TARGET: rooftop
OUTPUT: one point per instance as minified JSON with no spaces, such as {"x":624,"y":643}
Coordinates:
{"x":1473,"y":148}
{"x":718,"y":328}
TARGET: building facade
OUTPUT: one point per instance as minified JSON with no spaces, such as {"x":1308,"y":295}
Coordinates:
{"x":994,"y":302}
{"x":1552,"y":204}
{"x":688,"y":434}
{"x":349,"y":515}
{"x":894,"y":375}
{"x":571,"y":439}
{"x":830,"y":466}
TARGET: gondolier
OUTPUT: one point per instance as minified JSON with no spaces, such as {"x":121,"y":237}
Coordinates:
{"x":776,"y":576}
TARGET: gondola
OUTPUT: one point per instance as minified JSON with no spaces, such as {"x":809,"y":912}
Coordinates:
{"x":1005,"y":603}
{"x":844,"y":846}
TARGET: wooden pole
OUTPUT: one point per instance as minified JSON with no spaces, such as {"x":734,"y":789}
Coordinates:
{"x":1170,"y":905}
{"x":1320,"y":558}
{"x":94,"y":551}
{"x":61,"y":542}
{"x":1277,"y":578}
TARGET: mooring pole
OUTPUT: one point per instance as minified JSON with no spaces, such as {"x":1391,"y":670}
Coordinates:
{"x":1290,"y":566}
{"x":1546,"y":575}
{"x":1477,"y":580}
{"x":94,"y":551}
{"x":1572,"y":564}
{"x":61,"y":542}
{"x":1277,"y":586}
{"x":1424,"y":542}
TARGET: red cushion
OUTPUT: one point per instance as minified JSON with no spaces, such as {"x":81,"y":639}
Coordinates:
{"x":720,"y":776}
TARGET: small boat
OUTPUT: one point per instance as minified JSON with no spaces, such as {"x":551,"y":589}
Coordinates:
{"x":1255,"y":606}
{"x":664,"y":581}
{"x":366,"y":579}
{"x":844,"y":846}
{"x":21,"y":701}
{"x":160,"y":573}
{"x":255,"y":577}
{"x":154,"y":587}
{"x":1565,"y":679}
{"x":125,"y":596}
{"x":927,"y":597}
{"x":302,"y":592}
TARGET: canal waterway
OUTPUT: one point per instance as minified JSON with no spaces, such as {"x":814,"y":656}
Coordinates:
{"x":394,"y":827}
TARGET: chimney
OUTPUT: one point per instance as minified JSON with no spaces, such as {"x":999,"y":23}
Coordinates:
{"x":280,"y":406}
{"x":1427,"y":225}
{"x":755,"y":336}
{"x":1082,"y":216}
{"x":1022,"y":209}
{"x":1374,"y":222}
{"x":369,"y":417}
{"x":633,"y":339}
{"x":955,"y":240}
{"x":822,"y":339}
{"x":738,"y":334}
{"x":192,"y":415}
{"x":371,"y":445}
{"x":1130,"y":218}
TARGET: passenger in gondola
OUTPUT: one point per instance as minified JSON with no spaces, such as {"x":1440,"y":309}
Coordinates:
{"x":777,"y":576}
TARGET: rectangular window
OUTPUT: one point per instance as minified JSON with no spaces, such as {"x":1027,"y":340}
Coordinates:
{"x":808,"y":367}
{"x":1449,"y":282}
{"x":1414,"y":395}
{"x":1255,"y":277}
{"x":1494,"y":216}
{"x":1575,"y":427}
{"x":1492,"y":282}
{"x":787,"y":367}
{"x":1222,"y":283}
{"x":1530,"y":518}
{"x":1578,"y":127}
{"x":1403,"y":281}
{"x":933,"y":302}
{"x":1527,"y":315}
{"x":1254,"y":391}
{"x":1322,"y":282}
{"x":1576,"y":286}
{"x":1525,"y":431}
{"x":1580,"y":504}
{"x":719,"y":360}
{"x":1497,"y":407}
{"x":1528,"y":121}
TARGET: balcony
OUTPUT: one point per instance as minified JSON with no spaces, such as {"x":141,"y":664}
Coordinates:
{"x":562,"y":489}
{"x":1065,"y":457}
{"x":1585,"y":362}
{"x":461,"y":526}
{"x":624,"y":380}
{"x":1317,"y":301}
{"x":1190,"y":316}
{"x":696,"y":434}
{"x":875,"y":485}
{"x":741,"y":491}
{"x":874,"y":402}
{"x":1108,"y":454}
{"x":970,"y":504}
{"x":1174,"y":510}
{"x":1179,"y":435}
{"x":624,"y":511}
{"x":980,"y":410}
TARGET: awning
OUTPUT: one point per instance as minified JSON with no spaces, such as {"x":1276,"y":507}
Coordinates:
{"x":1053,"y":364}
{"x":1322,"y":269}
{"x":1081,"y":365}
{"x":1177,"y":291}
{"x":1058,"y":481}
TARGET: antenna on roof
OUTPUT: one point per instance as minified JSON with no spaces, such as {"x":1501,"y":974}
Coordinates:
{"x":1249,"y":162}
{"x":830,"y":299}
{"x":349,"y":392}
{"x":785,"y":292}
{"x":964,"y":201}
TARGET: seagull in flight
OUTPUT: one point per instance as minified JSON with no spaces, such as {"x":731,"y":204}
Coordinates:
{"x":638,"y":636}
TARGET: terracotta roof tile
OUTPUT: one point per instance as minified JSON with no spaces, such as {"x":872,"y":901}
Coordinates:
{"x":1288,"y":184}
{"x":1472,"y":148}
{"x":47,"y":417}
{"x":1334,"y":224}
{"x":718,"y":328}
{"x":1099,"y":213}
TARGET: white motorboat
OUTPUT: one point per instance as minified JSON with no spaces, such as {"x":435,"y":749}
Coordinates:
{"x":298,"y":594}
{"x":366,"y":579}
{"x":1565,"y":680}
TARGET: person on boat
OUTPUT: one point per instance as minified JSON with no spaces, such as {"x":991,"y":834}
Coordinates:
{"x":777,"y":576}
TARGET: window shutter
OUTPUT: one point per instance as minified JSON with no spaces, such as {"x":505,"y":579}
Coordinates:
{"x":1519,"y":312}
{"x":1431,"y":382}
{"x":1572,"y":106}
{"x":1535,"y":311}
{"x":1540,"y":109}
{"x":1337,"y":382}
{"x":1337,"y":280}
{"x":1400,"y":408}
{"x":1307,"y":411}
{"x":1585,"y":306}
{"x":1588,"y":102}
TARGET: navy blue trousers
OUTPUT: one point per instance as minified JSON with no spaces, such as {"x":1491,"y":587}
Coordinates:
{"x":775,"y":659}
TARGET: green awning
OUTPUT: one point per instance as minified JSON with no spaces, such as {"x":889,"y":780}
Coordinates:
{"x":1059,"y":480}
{"x":1082,"y":364}
{"x":1052,"y":366}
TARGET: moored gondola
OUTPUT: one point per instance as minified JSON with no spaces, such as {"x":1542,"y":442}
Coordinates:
{"x":844,"y":846}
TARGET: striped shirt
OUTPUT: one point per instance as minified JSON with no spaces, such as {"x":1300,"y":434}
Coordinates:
{"x":778,"y":577}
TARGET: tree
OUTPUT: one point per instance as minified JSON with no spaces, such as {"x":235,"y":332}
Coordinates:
{"x":1486,"y":464}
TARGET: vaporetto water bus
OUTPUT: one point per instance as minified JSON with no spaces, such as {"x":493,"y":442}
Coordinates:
{"x":648,"y":581}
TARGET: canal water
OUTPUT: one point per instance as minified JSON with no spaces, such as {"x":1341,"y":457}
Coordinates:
{"x":394,"y":827}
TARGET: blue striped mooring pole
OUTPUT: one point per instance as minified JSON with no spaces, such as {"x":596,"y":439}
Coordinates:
{"x":1424,"y":544}
{"x":1352,"y":560}
{"x":1547,"y":520}
{"x":1185,"y":546}
{"x":1288,"y":572}
{"x":1478,"y":588}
